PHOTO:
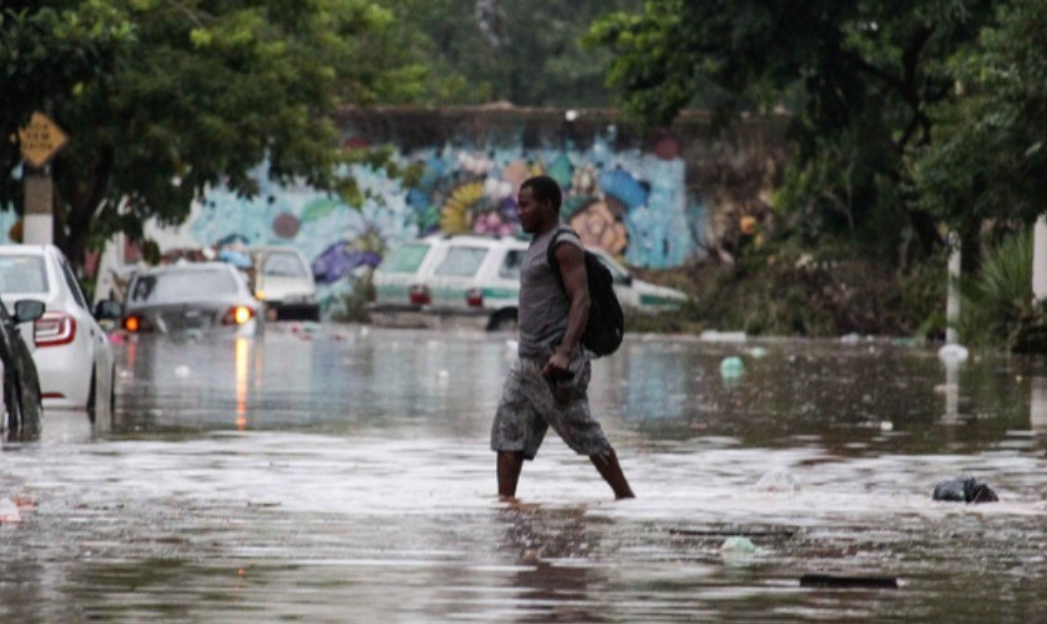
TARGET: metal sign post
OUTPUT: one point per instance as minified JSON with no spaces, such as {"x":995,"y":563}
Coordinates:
{"x":40,"y":140}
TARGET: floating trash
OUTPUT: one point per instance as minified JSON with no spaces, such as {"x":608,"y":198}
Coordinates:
{"x":711,"y":335}
{"x":732,"y":367}
{"x":310,"y":327}
{"x":953,"y":353}
{"x":737,"y":546}
{"x":964,"y":490}
{"x":9,"y":513}
{"x":836,"y":580}
{"x":182,"y":371}
{"x":778,"y":480}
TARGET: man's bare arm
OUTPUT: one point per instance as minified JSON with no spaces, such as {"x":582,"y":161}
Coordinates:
{"x":572,"y":272}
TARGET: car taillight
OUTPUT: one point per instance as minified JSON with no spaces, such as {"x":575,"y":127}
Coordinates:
{"x":54,"y":329}
{"x":474,"y":298}
{"x":419,"y":295}
{"x":135,"y":323}
{"x":238,"y":315}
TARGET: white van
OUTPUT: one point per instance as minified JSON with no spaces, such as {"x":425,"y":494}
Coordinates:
{"x":474,"y":281}
{"x":283,"y":280}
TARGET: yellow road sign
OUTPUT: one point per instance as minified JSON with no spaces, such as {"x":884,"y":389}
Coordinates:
{"x":41,"y":140}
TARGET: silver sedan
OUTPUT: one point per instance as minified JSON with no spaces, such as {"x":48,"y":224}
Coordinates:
{"x":193,"y":299}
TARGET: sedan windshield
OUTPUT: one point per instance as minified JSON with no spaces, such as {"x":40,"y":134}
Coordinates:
{"x":22,"y":274}
{"x":406,"y":259}
{"x":462,"y":261}
{"x":182,"y":286}
{"x":284,"y":265}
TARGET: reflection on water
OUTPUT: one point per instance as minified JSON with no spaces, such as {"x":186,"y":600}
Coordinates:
{"x":243,"y":347}
{"x":343,"y":475}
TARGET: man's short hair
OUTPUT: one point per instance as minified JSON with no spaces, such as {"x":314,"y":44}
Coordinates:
{"x":545,"y":189}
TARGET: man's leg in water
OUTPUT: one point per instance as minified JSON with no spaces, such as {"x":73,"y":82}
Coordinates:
{"x":510,"y":463}
{"x":607,"y":465}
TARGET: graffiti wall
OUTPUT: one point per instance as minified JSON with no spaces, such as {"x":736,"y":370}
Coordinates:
{"x":630,"y":203}
{"x":655,"y":202}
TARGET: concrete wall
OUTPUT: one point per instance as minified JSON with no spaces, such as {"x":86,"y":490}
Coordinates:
{"x":655,"y":199}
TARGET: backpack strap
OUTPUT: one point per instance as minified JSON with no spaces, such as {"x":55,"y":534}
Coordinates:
{"x":550,"y":251}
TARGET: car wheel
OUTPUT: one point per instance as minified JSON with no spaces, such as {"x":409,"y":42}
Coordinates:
{"x":12,"y":404}
{"x":505,"y":320}
{"x":112,"y":392}
{"x":91,"y":408}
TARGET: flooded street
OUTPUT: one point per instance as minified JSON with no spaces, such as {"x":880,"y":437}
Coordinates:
{"x":344,"y":475}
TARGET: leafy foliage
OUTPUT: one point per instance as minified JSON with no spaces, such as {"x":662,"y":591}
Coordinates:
{"x":988,"y":156}
{"x":46,"y":50}
{"x":792,"y":292}
{"x":201,"y":93}
{"x":526,"y":53}
{"x":994,"y":300}
{"x":860,"y":76}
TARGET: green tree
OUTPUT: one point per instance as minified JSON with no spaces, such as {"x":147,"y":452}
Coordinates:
{"x":527,"y":53}
{"x":859,"y":76}
{"x":46,"y":49}
{"x":988,"y":156}
{"x":206,"y":91}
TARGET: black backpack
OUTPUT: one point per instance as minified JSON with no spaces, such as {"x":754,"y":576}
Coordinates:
{"x":606,"y":325}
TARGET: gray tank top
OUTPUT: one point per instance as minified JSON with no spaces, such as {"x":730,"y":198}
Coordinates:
{"x":544,"y":305}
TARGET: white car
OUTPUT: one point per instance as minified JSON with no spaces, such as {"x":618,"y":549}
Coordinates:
{"x":475,"y":281}
{"x":71,"y":351}
{"x":283,"y":280}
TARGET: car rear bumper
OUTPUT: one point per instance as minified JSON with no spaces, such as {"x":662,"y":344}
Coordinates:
{"x":292,"y":311}
{"x":430,"y":317}
{"x":64,"y":382}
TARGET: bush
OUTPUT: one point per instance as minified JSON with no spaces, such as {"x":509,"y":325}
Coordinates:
{"x":1029,"y":335}
{"x":353,"y":308}
{"x":996,"y":301}
{"x":794,"y":294}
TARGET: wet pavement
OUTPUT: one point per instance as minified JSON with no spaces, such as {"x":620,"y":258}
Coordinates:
{"x":343,"y":475}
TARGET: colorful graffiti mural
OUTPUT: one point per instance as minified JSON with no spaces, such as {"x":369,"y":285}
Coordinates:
{"x":630,"y":203}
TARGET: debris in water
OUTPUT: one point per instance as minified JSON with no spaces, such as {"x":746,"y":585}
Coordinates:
{"x":833,"y":580}
{"x":778,"y":481}
{"x":732,"y":367}
{"x":711,"y":335}
{"x":9,"y":513}
{"x":737,"y":546}
{"x":964,"y":490}
{"x":780,"y":534}
{"x":952,"y":353}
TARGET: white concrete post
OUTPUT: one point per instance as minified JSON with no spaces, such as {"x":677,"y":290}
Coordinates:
{"x":1039,"y":260}
{"x":1038,"y":404}
{"x":952,"y":306}
{"x":952,"y":392}
{"x":38,"y":225}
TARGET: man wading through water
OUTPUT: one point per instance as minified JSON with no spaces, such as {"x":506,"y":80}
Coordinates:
{"x":547,"y":384}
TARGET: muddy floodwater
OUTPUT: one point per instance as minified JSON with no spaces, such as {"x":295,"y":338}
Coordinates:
{"x":342,"y":474}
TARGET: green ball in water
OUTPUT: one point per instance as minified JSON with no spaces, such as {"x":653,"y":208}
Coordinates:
{"x":737,"y":545}
{"x":732,"y":367}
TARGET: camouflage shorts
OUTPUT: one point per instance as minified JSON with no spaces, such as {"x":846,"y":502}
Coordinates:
{"x":530,"y":405}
